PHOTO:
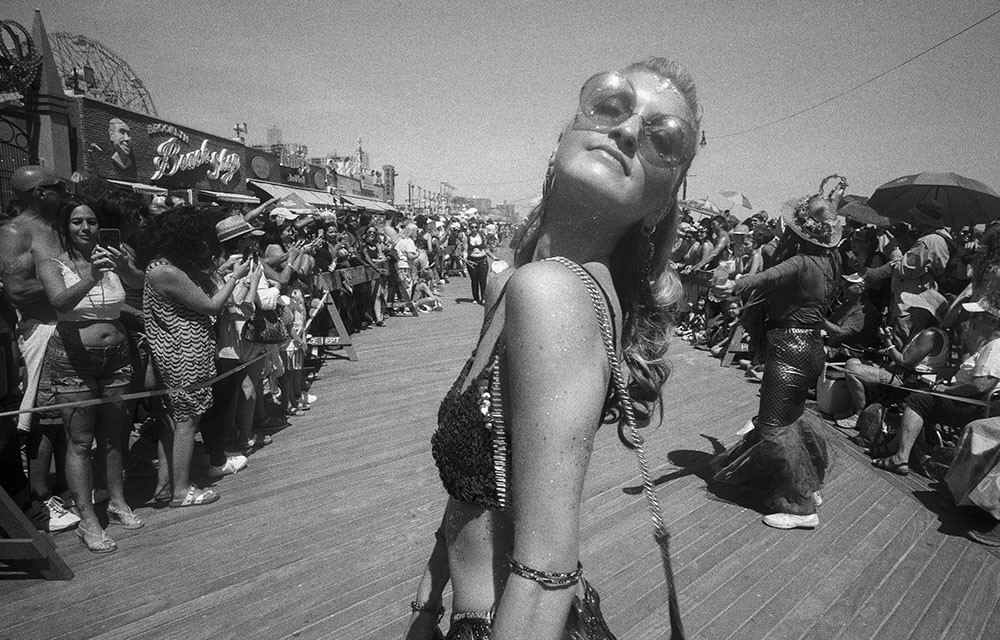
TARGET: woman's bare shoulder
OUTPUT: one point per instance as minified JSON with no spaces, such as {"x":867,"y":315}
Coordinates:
{"x":164,"y":274}
{"x":552,"y":295}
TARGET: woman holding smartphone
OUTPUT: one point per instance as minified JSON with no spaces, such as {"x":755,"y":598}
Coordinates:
{"x":90,"y":358}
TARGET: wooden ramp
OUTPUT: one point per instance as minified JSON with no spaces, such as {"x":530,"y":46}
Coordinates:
{"x":325,"y":534}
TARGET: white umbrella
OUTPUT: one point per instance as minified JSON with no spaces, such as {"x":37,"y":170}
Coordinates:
{"x":703,"y":206}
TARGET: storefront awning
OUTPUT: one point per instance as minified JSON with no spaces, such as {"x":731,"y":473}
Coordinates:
{"x":224,"y":196}
{"x":310,"y":196}
{"x":139,"y":187}
{"x":368,"y":203}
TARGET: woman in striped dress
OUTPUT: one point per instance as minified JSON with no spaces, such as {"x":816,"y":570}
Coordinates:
{"x":179,"y":305}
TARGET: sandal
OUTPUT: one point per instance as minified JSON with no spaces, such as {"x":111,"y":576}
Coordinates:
{"x":127,"y":519}
{"x":880,"y":450}
{"x":886,"y":464}
{"x":96,"y":543}
{"x":162,"y":497}
{"x":195,"y":498}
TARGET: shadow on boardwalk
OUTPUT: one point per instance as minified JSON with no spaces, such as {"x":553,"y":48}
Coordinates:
{"x":326,"y":532}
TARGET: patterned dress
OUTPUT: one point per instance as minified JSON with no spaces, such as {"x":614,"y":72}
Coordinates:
{"x":183,"y":346}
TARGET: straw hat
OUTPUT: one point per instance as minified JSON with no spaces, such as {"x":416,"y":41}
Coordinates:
{"x":234,"y":227}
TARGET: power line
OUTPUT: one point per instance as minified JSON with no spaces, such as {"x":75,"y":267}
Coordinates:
{"x":857,"y":86}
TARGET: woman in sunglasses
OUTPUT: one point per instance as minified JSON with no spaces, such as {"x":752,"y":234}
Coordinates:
{"x":516,"y":430}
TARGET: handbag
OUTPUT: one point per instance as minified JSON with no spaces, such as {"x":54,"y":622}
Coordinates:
{"x":631,"y":432}
{"x":265,"y":327}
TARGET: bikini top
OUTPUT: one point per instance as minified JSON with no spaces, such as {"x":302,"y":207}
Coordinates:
{"x":471,"y":445}
{"x":103,"y":302}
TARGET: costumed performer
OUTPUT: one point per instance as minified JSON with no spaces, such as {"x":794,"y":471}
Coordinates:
{"x":783,"y":452}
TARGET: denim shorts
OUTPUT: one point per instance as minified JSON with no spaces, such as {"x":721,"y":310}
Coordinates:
{"x":75,"y":368}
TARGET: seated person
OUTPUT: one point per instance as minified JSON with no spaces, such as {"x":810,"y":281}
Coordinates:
{"x":852,"y":327}
{"x":422,"y":296}
{"x":973,"y":479}
{"x":924,"y":356}
{"x":976,"y":378}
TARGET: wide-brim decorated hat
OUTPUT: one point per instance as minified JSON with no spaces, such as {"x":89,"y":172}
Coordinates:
{"x":816,"y":222}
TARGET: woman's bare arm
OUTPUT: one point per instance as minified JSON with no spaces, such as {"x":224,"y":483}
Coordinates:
{"x":557,"y":375}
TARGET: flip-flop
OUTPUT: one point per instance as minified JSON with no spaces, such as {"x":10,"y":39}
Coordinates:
{"x":901,"y":469}
{"x":195,"y":498}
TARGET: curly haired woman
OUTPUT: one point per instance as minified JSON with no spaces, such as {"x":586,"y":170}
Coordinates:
{"x":178,"y":250}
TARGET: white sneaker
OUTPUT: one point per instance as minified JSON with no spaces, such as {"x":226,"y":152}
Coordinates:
{"x":791,"y":521}
{"x":233,"y":465}
{"x":51,"y":515}
{"x":310,"y":398}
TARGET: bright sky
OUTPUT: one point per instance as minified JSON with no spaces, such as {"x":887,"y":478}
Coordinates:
{"x":475,"y":93}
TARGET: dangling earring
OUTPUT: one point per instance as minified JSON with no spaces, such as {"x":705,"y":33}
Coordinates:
{"x":647,"y":233}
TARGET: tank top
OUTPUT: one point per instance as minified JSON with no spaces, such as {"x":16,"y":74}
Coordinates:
{"x":103,"y":302}
{"x":935,"y":362}
{"x":471,"y":445}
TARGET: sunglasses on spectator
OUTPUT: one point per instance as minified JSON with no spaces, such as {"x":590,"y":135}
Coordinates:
{"x":609,"y":99}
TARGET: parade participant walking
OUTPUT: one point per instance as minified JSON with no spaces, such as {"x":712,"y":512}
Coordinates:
{"x":39,"y":193}
{"x":592,"y":281}
{"x":783,"y":451}
{"x":89,"y":358}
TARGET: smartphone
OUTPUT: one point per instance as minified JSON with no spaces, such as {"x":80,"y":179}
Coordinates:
{"x":109,"y":238}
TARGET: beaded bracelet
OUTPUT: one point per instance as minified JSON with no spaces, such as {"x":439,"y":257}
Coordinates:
{"x":425,"y":607}
{"x":550,"y":579}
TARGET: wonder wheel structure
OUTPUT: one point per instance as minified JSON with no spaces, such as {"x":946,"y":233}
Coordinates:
{"x":90,"y":68}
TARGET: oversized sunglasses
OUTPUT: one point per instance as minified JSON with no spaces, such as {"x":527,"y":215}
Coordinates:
{"x":608,"y":99}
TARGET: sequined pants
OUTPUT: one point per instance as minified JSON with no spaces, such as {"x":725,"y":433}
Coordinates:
{"x":792,"y":366}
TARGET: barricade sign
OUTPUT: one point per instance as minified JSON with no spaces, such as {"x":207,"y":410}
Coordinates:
{"x":337,"y":335}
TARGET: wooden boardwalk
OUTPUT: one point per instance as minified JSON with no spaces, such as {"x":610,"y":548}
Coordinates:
{"x":326,"y":532}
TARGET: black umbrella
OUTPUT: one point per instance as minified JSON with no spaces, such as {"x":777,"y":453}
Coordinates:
{"x":966,"y":201}
{"x":856,"y":208}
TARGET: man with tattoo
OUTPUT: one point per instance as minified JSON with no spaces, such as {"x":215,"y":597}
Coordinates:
{"x":39,"y":193}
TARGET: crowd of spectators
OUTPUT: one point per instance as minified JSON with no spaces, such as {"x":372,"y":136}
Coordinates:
{"x":107,"y":292}
{"x":912,"y":339}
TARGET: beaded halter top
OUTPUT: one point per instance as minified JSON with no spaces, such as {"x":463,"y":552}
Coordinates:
{"x":471,"y":445}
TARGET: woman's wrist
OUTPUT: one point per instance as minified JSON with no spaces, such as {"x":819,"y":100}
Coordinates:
{"x":436,"y":609}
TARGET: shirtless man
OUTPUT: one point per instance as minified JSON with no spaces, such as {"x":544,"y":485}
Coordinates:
{"x":39,"y":193}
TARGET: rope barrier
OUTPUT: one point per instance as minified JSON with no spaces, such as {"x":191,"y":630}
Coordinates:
{"x":836,"y":366}
{"x":194,"y":386}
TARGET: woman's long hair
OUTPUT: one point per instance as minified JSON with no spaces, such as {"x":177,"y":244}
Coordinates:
{"x":61,"y":225}
{"x":184,"y":235}
{"x":648,"y":287}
